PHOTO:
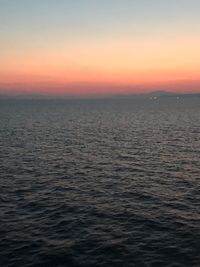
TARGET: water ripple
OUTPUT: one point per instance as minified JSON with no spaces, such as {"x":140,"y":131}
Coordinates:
{"x":99,"y":183}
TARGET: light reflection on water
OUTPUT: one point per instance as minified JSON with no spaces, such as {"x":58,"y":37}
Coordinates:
{"x":100,"y":182}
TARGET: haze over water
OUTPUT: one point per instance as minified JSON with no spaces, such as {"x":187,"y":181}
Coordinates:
{"x":107,"y":182}
{"x":95,"y":169}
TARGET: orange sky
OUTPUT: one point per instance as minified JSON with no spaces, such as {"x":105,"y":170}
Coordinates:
{"x":100,"y":64}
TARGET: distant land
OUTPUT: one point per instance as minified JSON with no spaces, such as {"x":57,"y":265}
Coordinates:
{"x":150,"y":95}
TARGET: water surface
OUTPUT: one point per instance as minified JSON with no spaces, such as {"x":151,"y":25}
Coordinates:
{"x":100,"y":182}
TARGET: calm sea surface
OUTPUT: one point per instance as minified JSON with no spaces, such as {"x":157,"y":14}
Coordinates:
{"x":100,"y":182}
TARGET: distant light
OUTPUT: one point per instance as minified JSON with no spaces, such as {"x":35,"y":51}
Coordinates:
{"x":153,"y":97}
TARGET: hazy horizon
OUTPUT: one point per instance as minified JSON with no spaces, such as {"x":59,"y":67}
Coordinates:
{"x":149,"y":94}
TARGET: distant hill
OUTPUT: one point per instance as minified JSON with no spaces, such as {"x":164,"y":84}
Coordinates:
{"x":160,"y":93}
{"x":150,"y":95}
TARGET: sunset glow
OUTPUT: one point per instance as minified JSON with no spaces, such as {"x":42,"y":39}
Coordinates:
{"x":99,"y":47}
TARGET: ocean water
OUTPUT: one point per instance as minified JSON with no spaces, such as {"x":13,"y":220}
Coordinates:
{"x":108,"y":182}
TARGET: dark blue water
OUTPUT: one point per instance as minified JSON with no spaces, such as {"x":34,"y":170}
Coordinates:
{"x":100,"y":182}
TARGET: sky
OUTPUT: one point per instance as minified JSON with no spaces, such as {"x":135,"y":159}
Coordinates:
{"x":95,"y":47}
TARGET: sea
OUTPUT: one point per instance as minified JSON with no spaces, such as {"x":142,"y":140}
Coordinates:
{"x":100,"y":182}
